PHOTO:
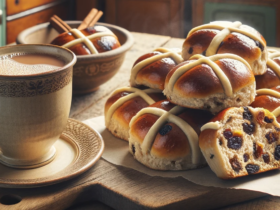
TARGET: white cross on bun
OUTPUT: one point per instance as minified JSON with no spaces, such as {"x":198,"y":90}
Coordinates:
{"x":228,"y":37}
{"x":271,"y":77}
{"x":92,"y":40}
{"x":164,"y":136}
{"x":268,"y":99}
{"x":212,"y":83}
{"x":151,"y":69}
{"x":123,"y":104}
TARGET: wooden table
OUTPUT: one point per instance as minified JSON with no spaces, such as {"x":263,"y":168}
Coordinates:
{"x":106,"y":186}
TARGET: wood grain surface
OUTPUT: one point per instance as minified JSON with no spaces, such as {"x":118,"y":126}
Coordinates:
{"x":167,"y":16}
{"x":106,"y":186}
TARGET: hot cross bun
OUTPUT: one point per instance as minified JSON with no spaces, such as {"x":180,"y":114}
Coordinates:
{"x":164,"y":136}
{"x":151,"y":69}
{"x":271,"y":78}
{"x":123,"y":104}
{"x":213,"y":83}
{"x":228,"y":37}
{"x":241,"y":141}
{"x":268,"y":99}
{"x":92,"y":40}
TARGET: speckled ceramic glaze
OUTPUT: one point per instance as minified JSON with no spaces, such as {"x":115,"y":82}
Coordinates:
{"x":34,"y":109}
{"x":90,"y":71}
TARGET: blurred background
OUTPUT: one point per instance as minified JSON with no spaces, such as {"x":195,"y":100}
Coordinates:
{"x":164,"y":17}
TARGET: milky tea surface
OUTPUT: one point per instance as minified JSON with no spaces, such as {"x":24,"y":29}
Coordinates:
{"x":28,"y":64}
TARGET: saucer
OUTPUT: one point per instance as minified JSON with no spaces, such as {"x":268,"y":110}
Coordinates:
{"x":77,"y":149}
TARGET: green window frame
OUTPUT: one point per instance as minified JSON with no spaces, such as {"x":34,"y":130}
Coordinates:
{"x":262,"y":18}
{"x":3,"y":23}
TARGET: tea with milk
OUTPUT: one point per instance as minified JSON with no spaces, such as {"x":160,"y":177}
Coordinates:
{"x":28,"y":64}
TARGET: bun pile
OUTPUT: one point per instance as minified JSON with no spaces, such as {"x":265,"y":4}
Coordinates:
{"x":216,"y":73}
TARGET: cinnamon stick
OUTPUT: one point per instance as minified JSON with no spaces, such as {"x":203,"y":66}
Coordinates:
{"x":93,"y":16}
{"x":88,"y":19}
{"x":96,"y":18}
{"x":59,"y":24}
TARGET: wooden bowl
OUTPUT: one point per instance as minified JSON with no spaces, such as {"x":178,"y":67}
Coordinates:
{"x":90,"y":71}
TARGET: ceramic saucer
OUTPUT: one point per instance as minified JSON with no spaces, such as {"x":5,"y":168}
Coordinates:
{"x":77,"y":149}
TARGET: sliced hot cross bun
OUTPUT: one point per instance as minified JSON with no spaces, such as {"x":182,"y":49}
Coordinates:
{"x":271,"y":78}
{"x":92,"y":40}
{"x":241,"y":141}
{"x":123,"y":104}
{"x":165,"y":137}
{"x":228,"y":37}
{"x":268,"y":99}
{"x":213,"y":83}
{"x":151,"y":69}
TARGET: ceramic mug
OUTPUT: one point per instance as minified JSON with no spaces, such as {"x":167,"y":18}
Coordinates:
{"x":34,"y":109}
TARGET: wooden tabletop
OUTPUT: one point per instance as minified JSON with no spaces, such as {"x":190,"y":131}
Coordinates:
{"x":106,"y":186}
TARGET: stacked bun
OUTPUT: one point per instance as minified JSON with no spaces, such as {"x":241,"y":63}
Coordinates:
{"x":176,"y":147}
{"x":221,"y":61}
{"x":213,"y":83}
{"x":165,"y":137}
{"x":268,"y":99}
{"x":151,"y":69}
{"x":123,"y":104}
{"x":221,"y":37}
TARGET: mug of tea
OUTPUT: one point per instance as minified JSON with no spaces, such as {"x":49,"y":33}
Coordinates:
{"x":35,"y":100}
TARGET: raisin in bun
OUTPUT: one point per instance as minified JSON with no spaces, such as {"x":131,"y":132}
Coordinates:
{"x":123,"y":104}
{"x":151,"y":69}
{"x":271,"y":78}
{"x":213,"y":83}
{"x":268,"y":99}
{"x":165,"y":137}
{"x":228,"y":37}
{"x":240,"y":142}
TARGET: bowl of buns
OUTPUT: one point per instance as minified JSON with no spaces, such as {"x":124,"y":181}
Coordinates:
{"x":100,"y":49}
{"x":214,"y":102}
